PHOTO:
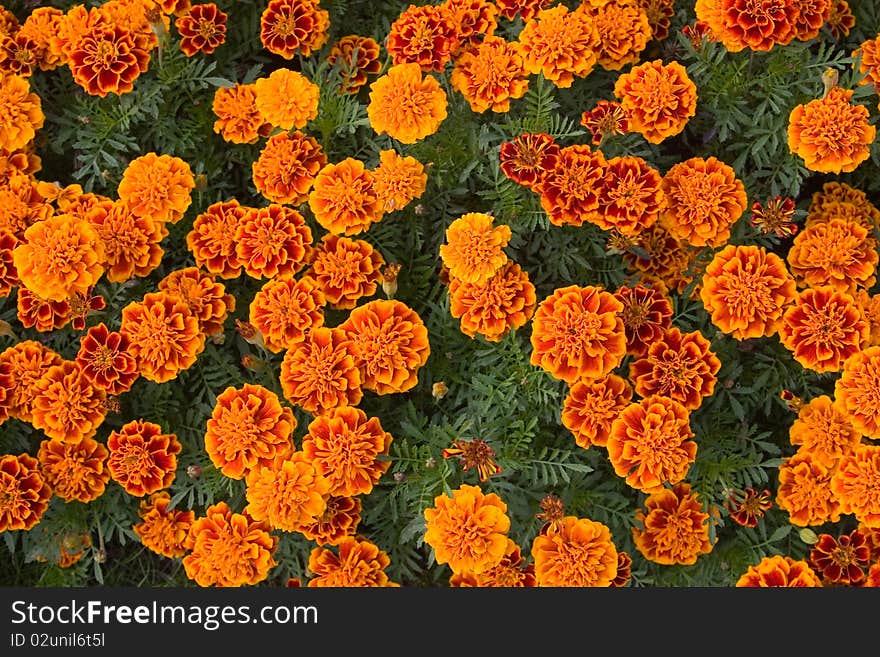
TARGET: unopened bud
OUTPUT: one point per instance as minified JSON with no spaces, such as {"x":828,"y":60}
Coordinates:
{"x":194,"y":471}
{"x":439,"y":390}
{"x":399,"y":477}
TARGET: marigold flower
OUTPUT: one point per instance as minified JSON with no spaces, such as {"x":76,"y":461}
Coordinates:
{"x":22,"y":162}
{"x":288,"y":493}
{"x":24,"y":493}
{"x":40,"y":26}
{"x":869,"y":304}
{"x":340,"y":520}
{"x":525,"y":9}
{"x":503,"y":303}
{"x":475,"y":454}
{"x":287,"y":99}
{"x":473,"y":20}
{"x":527,"y":157}
{"x":646,"y":314}
{"x":131,"y":243}
{"x":41,"y":314}
{"x":398,"y":180}
{"x":389,"y":342}
{"x":206,"y":298}
{"x":838,"y":252}
{"x":591,"y":405}
{"x":248,"y":427}
{"x":824,"y":430}
{"x":570,"y":190}
{"x":405,"y":104}
{"x":839,"y":200}
{"x":490,"y":75}
{"x":142,"y":459}
{"x":468,"y":531}
{"x":157,"y":186}
{"x":272,"y":241}
{"x":359,"y":563}
{"x":630,"y":195}
{"x":660,"y":13}
{"x":286,"y":167}
{"x":8,"y":275}
{"x":804,"y":490}
{"x":19,"y":55}
{"x":212,"y":238}
{"x":560,"y":44}
{"x":345,"y":270}
{"x":238,"y":119}
{"x":74,"y":470}
{"x":229,"y":549}
{"x":840,"y":19}
{"x":284,"y":310}
{"x":65,"y":405}
{"x":809,"y":17}
{"x":21,"y":205}
{"x":22,"y":112}
{"x":26,"y":362}
{"x":577,"y":333}
{"x":842,"y":560}
{"x":855,"y":484}
{"x":105,"y":360}
{"x":606,"y":119}
{"x":511,"y":572}
{"x":202,"y":29}
{"x":575,"y":552}
{"x":320,"y":371}
{"x":658,"y":98}
{"x":423,"y":35}
{"x":163,"y":530}
{"x":831,"y":134}
{"x":163,"y":335}
{"x":624,"y":32}
{"x":779,"y":571}
{"x":473,"y":251}
{"x":343,"y":199}
{"x":288,"y":27}
{"x":747,"y":506}
{"x":776,"y":217}
{"x":355,"y":57}
{"x":673,"y":528}
{"x":107,"y":59}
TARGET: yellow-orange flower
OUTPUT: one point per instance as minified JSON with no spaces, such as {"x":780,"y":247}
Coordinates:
{"x":163,"y":530}
{"x":21,"y":112}
{"x":105,"y":360}
{"x":359,"y":563}
{"x":838,"y":252}
{"x":205,"y":297}
{"x":576,"y":552}
{"x":778,"y":571}
{"x":624,"y":32}
{"x":202,"y":29}
{"x":868,"y":53}
{"x":355,"y":57}
{"x":855,"y":483}
{"x":809,"y":17}
{"x":468,"y":531}
{"x":422,"y":35}
{"x":345,"y":270}
{"x":406,"y":105}
{"x":65,"y":405}
{"x":857,"y":390}
{"x":490,"y":75}
{"x":473,"y":251}
{"x":804,"y":490}
{"x":286,"y":98}
{"x":842,"y":201}
{"x":673,"y":528}
{"x":343,"y":199}
{"x":398,"y":180}
{"x":526,"y":9}
{"x":248,"y":428}
{"x":285,"y":309}
{"x":824,"y":430}
{"x":131,"y":244}
{"x":286,"y":167}
{"x":288,"y":27}
{"x":238,"y":119}
{"x":40,"y":26}
{"x":473,"y":20}
{"x":26,"y":362}
{"x":288,"y":493}
{"x":107,"y":58}
{"x":503,"y":303}
{"x":560,"y":44}
{"x":157,"y":186}
{"x":570,"y":190}
{"x":8,"y":275}
{"x":74,"y":470}
{"x":142,"y":459}
{"x":272,"y":241}
{"x":340,"y":520}
{"x":591,"y":406}
{"x":21,"y":205}
{"x":511,"y":572}
{"x":631,"y":197}
{"x":212,"y":238}
{"x":24,"y":493}
{"x":869,"y":304}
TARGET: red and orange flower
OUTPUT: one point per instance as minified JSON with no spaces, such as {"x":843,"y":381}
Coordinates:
{"x":592,"y":405}
{"x":202,"y":29}
{"x":75,"y":470}
{"x":673,"y":527}
{"x":356,"y":562}
{"x":286,"y":167}
{"x":212,"y":238}
{"x":343,"y":199}
{"x":290,"y":27}
{"x":24,"y":493}
{"x":142,"y":459}
{"x":273,"y":241}
{"x":163,"y":530}
{"x":779,"y":571}
{"x":105,"y":360}
{"x":285,"y":309}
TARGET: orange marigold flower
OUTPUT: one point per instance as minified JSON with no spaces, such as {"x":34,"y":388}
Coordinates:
{"x":468,"y":531}
{"x":823,"y":328}
{"x":804,"y":490}
{"x":19,"y":55}
{"x":163,"y":530}
{"x":398,"y":180}
{"x":424,"y":35}
{"x":206,"y":298}
{"x":560,"y":44}
{"x":705,"y":198}
{"x":776,"y":217}
{"x":105,"y":360}
{"x":757,"y":25}
{"x":659,"y":99}
{"x":175,"y":7}
{"x":131,"y":243}
{"x":591,"y":405}
{"x":355,"y":57}
{"x":248,"y":427}
{"x":624,"y":31}
{"x":59,"y":257}
{"x":868,"y":53}
{"x":838,"y":252}
{"x":503,"y":303}
{"x":831,"y":134}
{"x":345,"y":270}
{"x":24,"y":493}
{"x":646,"y":314}
{"x":320,"y":371}
{"x":107,"y":59}
{"x":525,"y":9}
{"x":839,"y":200}
{"x":630,"y":195}
{"x":490,"y":74}
{"x":286,"y":167}
{"x":870,"y":307}
{"x":474,"y":454}
{"x":570,"y":190}
{"x":824,"y":430}
{"x":473,"y":20}
{"x":577,"y":333}
{"x":238,"y":119}
{"x":679,"y":365}
{"x":40,"y":26}
{"x":287,"y":493}
{"x":673,"y":528}
{"x":285,"y":309}
{"x":21,"y":205}
{"x":842,"y":560}
{"x":287,"y":99}
{"x":527,"y":157}
{"x":42,"y":314}
{"x":575,"y":552}
{"x":349,"y":449}
{"x":747,"y":506}
{"x":212,"y":238}
{"x":163,"y":335}
{"x":872,"y":579}
{"x":229,"y":549}
{"x":660,"y":13}
{"x":746,"y":289}
{"x":855,"y":484}
{"x":340,"y":520}
{"x":22,"y":162}
{"x":157,"y":186}
{"x":357,"y":563}
{"x":343,"y":200}
{"x":142,"y":459}
{"x":606,"y":119}
{"x":389,"y":342}
{"x":65,"y":405}
{"x":405,"y":104}
{"x":75,"y":470}
{"x":809,"y":17}
{"x":8,"y":274}
{"x":840,"y":20}
{"x":272,"y":241}
{"x":511,"y":572}
{"x":25,"y":363}
{"x":202,"y":29}
{"x":288,"y":27}
{"x":21,"y":112}
{"x":779,"y":571}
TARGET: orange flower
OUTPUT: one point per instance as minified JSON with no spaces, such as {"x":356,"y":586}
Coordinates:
{"x":74,"y":470}
{"x":157,"y":186}
{"x":142,"y":459}
{"x":248,"y":428}
{"x":831,"y":134}
{"x":105,"y":360}
{"x":490,"y":74}
{"x":560,"y":44}
{"x":284,"y":310}
{"x":42,"y":314}
{"x":872,"y":579}
{"x":527,"y":157}
{"x":356,"y":57}
{"x":345,"y":270}
{"x":624,"y":32}
{"x":869,"y":304}
{"x":398,"y":180}
{"x":22,"y":162}
{"x":757,"y":25}
{"x":212,"y":238}
{"x":21,"y":205}
{"x":24,"y":494}
{"x":22,"y":113}
{"x":660,"y":13}
{"x":340,"y":520}
{"x":646,"y":315}
{"x":673,"y":528}
{"x":838,"y":252}
{"x":206,"y":298}
{"x":59,"y":257}
{"x":511,"y":572}
{"x":19,"y":55}
{"x":131,"y":244}
{"x":746,"y":289}
{"x":501,"y":304}
{"x":40,"y":26}
{"x":423,"y":35}
{"x":473,"y":20}
{"x":747,"y":506}
{"x":526,"y":9}
{"x":163,"y":335}
{"x":286,"y":167}
{"x":570,"y":190}
{"x":288,"y":27}
{"x":359,"y":563}
{"x":163,"y":530}
{"x":823,"y":328}
{"x":107,"y":58}
{"x":202,"y":29}
{"x":822,"y":429}
{"x":238,"y":119}
{"x":389,"y":342}
{"x":839,"y":200}
{"x":474,"y":455}
{"x":575,"y":552}
{"x":809,"y":17}
{"x":658,"y":98}
{"x":606,"y":119}
{"x":288,"y":493}
{"x":779,"y":571}
{"x":343,"y":199}
{"x":348,"y":448}
{"x":591,"y":406}
{"x":473,"y":251}
{"x":777,"y":217}
{"x":468,"y":531}
{"x":8,"y":274}
{"x":840,"y":20}
{"x":406,"y":105}
{"x":855,"y":484}
{"x":804,"y":490}
{"x":320,"y":371}
{"x":287,"y":99}
{"x":26,"y":362}
{"x":229,"y":549}
{"x":65,"y":405}
{"x":577,"y":333}
{"x":679,"y":365}
{"x":272,"y":241}
{"x":841,"y":560}
{"x":630,"y":196}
